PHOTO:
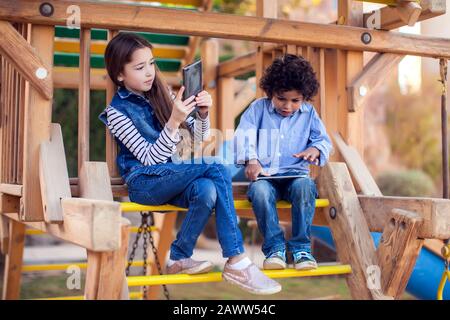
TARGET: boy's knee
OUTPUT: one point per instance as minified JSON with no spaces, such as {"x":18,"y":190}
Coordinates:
{"x":303,"y":189}
{"x":260,"y":190}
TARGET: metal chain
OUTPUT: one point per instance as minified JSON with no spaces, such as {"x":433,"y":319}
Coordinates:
{"x":155,"y":254}
{"x":144,"y":229}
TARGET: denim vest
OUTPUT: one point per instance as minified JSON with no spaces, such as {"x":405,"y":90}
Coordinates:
{"x":141,"y":113}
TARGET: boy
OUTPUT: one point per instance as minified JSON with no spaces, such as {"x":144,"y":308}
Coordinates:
{"x":280,"y":135}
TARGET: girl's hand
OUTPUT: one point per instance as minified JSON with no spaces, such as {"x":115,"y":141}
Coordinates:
{"x":311,"y":154}
{"x":253,"y":169}
{"x":181,"y":109}
{"x":204,"y":102}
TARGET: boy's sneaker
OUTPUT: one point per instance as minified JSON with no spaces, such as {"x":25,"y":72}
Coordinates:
{"x":304,"y":261}
{"x":275,"y":261}
{"x":189,"y":266}
{"x":251,"y":279}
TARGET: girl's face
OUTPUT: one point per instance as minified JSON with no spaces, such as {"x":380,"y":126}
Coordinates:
{"x":286,"y":103}
{"x":138,"y":75}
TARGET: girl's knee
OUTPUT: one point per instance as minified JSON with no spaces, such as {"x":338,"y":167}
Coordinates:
{"x":206,"y":192}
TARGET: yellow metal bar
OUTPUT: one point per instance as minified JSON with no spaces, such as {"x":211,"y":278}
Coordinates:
{"x":64,"y":266}
{"x":98,"y":47}
{"x":387,"y":2}
{"x":217,"y":276}
{"x":35,"y":232}
{"x":133,"y":295}
{"x":238,"y":204}
{"x":444,"y":279}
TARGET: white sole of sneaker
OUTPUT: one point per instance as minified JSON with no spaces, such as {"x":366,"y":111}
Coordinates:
{"x":306,"y":266}
{"x":202,"y":268}
{"x":274,"y":264}
{"x":267,"y":291}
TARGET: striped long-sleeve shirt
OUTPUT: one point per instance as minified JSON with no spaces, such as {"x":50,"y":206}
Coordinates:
{"x":151,"y":153}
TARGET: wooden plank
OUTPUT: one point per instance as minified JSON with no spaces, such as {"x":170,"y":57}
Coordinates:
{"x":105,"y":277}
{"x":358,"y":169}
{"x":237,"y":66}
{"x":9,"y":203}
{"x":354,"y":244}
{"x":13,"y":261}
{"x":370,"y":77}
{"x":37,"y":119}
{"x":92,"y":224}
{"x":83,"y":97}
{"x":390,"y":19}
{"x":53,"y":175}
{"x":106,"y":15}
{"x":12,"y":189}
{"x":95,"y":182}
{"x":17,"y":50}
{"x":398,"y":251}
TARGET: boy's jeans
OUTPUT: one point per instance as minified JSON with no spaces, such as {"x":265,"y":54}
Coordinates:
{"x":302,"y":193}
{"x":199,"y":187}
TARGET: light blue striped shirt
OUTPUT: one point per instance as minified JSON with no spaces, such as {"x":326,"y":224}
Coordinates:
{"x":271,"y":138}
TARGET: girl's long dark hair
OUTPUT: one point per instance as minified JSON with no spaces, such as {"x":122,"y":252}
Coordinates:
{"x":118,"y":53}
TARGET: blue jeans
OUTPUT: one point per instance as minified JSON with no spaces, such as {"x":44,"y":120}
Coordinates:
{"x":199,"y":187}
{"x":301,"y":193}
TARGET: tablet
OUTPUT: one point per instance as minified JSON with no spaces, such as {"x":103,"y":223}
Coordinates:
{"x":192,"y":80}
{"x":281,"y":177}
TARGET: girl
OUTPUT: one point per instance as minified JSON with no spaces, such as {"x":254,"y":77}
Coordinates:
{"x":146,"y":123}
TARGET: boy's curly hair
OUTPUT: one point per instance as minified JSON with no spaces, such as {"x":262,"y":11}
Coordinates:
{"x":287,"y":73}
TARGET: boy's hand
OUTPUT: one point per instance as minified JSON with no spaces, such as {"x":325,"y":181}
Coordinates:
{"x":253,"y":169}
{"x":204,"y":102}
{"x":311,"y":154}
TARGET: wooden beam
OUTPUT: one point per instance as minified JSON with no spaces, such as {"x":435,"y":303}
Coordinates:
{"x":92,"y":224}
{"x":210,"y":56}
{"x":237,"y":66}
{"x":354,"y":244}
{"x":37,"y":119}
{"x":398,"y":251}
{"x":13,"y":262}
{"x":121,"y":16}
{"x":435,"y":212}
{"x":4,"y":235}
{"x":53,"y":175}
{"x":23,"y":57}
{"x":390,"y":19}
{"x":374,"y":73}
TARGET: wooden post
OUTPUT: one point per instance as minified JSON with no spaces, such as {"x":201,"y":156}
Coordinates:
{"x":105,"y":276}
{"x":398,"y":251}
{"x":13,"y":261}
{"x":354,"y":244}
{"x":349,"y":65}
{"x":83,"y":97}
{"x":266,"y":9}
{"x":111,"y":145}
{"x":37,"y":119}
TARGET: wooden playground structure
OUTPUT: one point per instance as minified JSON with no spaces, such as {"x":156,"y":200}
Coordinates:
{"x":38,"y":51}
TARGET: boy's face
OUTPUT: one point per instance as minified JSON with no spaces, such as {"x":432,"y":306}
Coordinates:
{"x":138,"y":75}
{"x":287,"y":102}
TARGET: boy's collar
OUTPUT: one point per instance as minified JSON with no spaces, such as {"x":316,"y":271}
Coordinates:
{"x":303,"y":108}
